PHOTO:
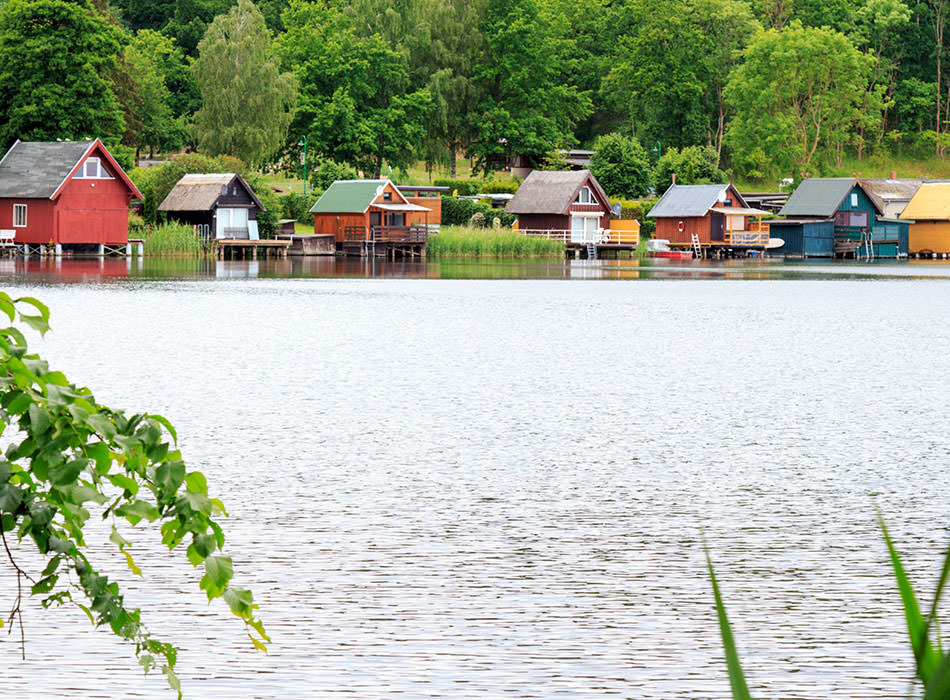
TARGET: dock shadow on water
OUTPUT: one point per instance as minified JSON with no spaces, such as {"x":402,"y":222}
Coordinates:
{"x":441,"y":486}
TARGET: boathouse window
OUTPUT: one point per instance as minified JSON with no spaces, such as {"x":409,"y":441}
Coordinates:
{"x":19,"y":215}
{"x":93,"y":169}
{"x":585,"y":196}
{"x":854,"y":199}
{"x":387,"y":196}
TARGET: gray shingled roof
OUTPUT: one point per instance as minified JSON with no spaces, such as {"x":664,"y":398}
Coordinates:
{"x":551,"y":191}
{"x":818,"y":196}
{"x":199,"y":192}
{"x":36,"y":169}
{"x":689,"y":200}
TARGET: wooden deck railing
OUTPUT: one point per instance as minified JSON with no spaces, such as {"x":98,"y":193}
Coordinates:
{"x":554,"y":234}
{"x":621,"y":237}
{"x":386,"y":234}
{"x":756,"y":234}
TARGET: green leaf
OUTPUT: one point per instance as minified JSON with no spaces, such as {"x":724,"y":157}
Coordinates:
{"x":201,"y":546}
{"x":740,"y":691}
{"x":240,"y":600}
{"x":195,"y":481}
{"x":7,"y":308}
{"x":39,"y":419}
{"x":101,"y":425}
{"x":124,"y":482}
{"x":37,"y":323}
{"x":66,"y":474}
{"x":36,"y":304}
{"x":137,"y":511}
{"x":218,"y":571}
{"x":170,"y":476}
{"x":99,"y":451}
{"x":10,"y":498}
{"x":44,"y":585}
{"x":168,"y":426}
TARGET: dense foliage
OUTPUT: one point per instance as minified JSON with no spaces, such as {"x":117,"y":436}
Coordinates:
{"x":770,"y":87}
{"x":70,"y":456}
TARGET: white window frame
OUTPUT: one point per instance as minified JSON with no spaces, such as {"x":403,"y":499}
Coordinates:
{"x":19,"y":209}
{"x":590,"y":196}
{"x":584,"y":228}
{"x":854,"y":199}
{"x":99,"y":171}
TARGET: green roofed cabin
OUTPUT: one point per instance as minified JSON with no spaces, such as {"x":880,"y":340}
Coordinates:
{"x":361,"y":212}
{"x":838,"y":217}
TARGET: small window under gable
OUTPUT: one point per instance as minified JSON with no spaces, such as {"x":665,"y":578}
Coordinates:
{"x":387,"y":196}
{"x":854,"y":199}
{"x":93,"y":169}
{"x":585,"y":196}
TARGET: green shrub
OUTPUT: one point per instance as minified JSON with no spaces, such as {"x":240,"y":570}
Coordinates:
{"x":463,"y":187}
{"x":458,"y":212}
{"x":296,"y":205}
{"x":499,"y":187}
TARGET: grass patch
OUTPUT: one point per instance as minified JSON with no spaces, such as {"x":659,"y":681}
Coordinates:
{"x":173,"y":239}
{"x":466,"y":242}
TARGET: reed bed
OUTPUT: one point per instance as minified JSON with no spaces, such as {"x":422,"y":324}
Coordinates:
{"x":466,"y":242}
{"x":173,"y":239}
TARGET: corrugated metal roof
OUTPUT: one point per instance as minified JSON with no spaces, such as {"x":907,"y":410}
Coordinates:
{"x":200,"y":191}
{"x":818,"y":196}
{"x":36,"y":169}
{"x":931,"y":203}
{"x":552,"y":191}
{"x":348,"y":197}
{"x":687,"y":200}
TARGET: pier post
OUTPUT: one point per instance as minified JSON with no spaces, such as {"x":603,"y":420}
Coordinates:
{"x":128,"y":249}
{"x":102,"y":250}
{"x":58,"y":250}
{"x":140,"y":249}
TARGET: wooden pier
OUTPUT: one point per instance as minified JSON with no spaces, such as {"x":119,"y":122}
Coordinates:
{"x":234,"y":248}
{"x":385,"y":241}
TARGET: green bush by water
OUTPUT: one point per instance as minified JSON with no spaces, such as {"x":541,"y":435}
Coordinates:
{"x":464,"y":242}
{"x":173,"y":239}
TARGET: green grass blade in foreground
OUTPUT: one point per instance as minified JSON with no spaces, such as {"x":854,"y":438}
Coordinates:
{"x":939,"y":686}
{"x":938,"y":593}
{"x":926,"y":657}
{"x":740,"y":691}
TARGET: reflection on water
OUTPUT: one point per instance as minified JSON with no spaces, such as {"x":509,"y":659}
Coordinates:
{"x":52,"y":270}
{"x":469,"y":489}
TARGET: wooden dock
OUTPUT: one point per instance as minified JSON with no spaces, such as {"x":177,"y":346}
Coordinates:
{"x":385,"y":241}
{"x":235,"y":248}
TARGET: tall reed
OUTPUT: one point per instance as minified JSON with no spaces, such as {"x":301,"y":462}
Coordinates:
{"x":466,"y":242}
{"x":173,"y":239}
{"x":931,"y":662}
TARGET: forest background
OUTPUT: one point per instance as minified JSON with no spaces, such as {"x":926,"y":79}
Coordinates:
{"x":760,"y":89}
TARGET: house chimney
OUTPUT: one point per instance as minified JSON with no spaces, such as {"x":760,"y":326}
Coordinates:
{"x":674,"y":178}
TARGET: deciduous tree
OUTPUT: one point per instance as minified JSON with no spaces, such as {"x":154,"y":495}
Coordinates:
{"x":796,"y":97}
{"x":621,"y":166}
{"x":246,"y":102}
{"x":54,"y":59}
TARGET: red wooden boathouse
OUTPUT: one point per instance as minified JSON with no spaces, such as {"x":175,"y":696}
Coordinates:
{"x":66,"y":193}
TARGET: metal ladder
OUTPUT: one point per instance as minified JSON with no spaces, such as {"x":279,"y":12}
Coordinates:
{"x":697,"y":248}
{"x":591,"y":250}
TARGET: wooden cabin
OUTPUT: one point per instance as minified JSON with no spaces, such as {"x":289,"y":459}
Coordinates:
{"x":369,"y":211}
{"x":429,"y":197}
{"x":836,"y":216}
{"x":569,"y":202}
{"x":716,"y":214}
{"x":929,"y":211}
{"x":65,"y":193}
{"x":219,"y":205}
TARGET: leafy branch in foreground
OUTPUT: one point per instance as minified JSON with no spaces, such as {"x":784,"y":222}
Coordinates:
{"x":71,"y":451}
{"x":931,"y":663}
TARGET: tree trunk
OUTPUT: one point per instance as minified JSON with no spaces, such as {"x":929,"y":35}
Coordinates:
{"x":452,"y":152}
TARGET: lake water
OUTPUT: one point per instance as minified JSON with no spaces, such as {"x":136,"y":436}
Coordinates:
{"x":444,"y":486}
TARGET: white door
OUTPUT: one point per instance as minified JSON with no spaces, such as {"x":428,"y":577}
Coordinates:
{"x":232,"y":223}
{"x":584,"y":228}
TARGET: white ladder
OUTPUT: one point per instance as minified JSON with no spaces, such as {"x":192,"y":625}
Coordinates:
{"x":697,"y":248}
{"x":591,"y":250}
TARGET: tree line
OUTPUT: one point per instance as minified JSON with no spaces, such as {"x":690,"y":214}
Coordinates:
{"x":767,"y":86}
